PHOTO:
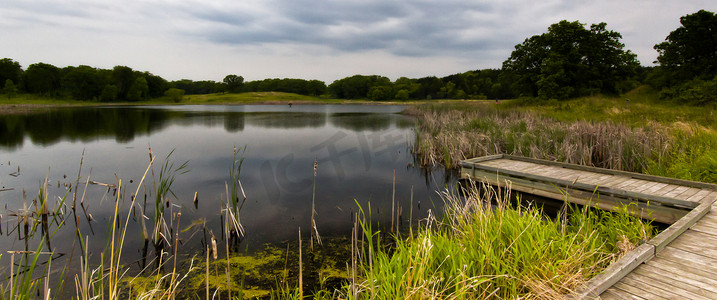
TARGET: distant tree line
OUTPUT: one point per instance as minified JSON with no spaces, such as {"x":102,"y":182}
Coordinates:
{"x":569,"y":60}
{"x":479,"y":84}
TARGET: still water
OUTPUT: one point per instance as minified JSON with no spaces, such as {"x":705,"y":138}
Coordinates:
{"x":358,"y":148}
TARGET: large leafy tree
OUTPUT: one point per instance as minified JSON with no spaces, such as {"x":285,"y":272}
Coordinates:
{"x":123,"y":78}
{"x":42,"y":78}
{"x":691,"y":50}
{"x":570,"y":60}
{"x":82,"y":82}
{"x":10,"y":69}
{"x":234,"y":83}
{"x":139,"y":90}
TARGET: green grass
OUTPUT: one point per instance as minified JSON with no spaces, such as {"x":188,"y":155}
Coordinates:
{"x":635,"y":108}
{"x":644,"y":134}
{"x":255,"y":97}
{"x":478,"y":251}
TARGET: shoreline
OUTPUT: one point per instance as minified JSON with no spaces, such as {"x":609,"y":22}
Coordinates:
{"x":26,"y":108}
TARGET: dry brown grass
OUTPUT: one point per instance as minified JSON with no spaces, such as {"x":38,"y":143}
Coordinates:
{"x":447,"y":136}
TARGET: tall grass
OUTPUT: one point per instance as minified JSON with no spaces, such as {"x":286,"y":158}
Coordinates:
{"x":482,"y":251}
{"x":601,"y":132}
{"x":447,"y":137}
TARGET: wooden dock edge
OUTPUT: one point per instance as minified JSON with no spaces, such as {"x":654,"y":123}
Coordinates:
{"x":658,"y":213}
{"x":623,"y":266}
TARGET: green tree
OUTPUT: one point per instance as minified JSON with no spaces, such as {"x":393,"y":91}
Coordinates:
{"x":156,"y":85}
{"x":81,"y":83}
{"x":109,"y":93}
{"x":570,"y":60}
{"x":357,"y":86}
{"x":42,"y":78}
{"x":691,"y":49}
{"x":234,"y":83}
{"x":10,"y":90}
{"x":402,"y":95}
{"x":381,"y":92}
{"x":139,"y":90}
{"x":174,"y":94}
{"x":10,"y":69}
{"x":123,"y":78}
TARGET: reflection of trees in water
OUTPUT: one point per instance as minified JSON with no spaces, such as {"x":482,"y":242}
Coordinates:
{"x":234,"y":121}
{"x":47,"y":128}
{"x":362,"y":121}
{"x":125,"y":123}
{"x":286,"y":119}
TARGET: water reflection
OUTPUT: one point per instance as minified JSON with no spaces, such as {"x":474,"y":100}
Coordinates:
{"x":358,"y":149}
{"x":124,"y":124}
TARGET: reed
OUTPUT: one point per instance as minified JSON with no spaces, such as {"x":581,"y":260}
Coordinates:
{"x":162,"y":188}
{"x":642,"y":136}
{"x":499,"y":251}
{"x":447,"y":136}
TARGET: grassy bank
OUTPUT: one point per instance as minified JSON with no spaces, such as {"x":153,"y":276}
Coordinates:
{"x":640,"y":135}
{"x":478,"y":251}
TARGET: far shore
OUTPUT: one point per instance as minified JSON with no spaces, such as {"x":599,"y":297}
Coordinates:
{"x":23,"y":105}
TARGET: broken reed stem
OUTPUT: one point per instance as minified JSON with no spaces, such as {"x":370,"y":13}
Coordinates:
{"x":176,"y":246}
{"x":229,"y":284}
{"x":393,"y":201}
{"x":301,"y":270}
{"x":314,"y":228}
{"x":206,"y":274}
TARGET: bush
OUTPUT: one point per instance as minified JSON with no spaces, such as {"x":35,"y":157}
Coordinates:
{"x":695,"y":92}
{"x":174,"y":94}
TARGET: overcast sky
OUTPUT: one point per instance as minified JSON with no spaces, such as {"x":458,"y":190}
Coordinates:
{"x":319,"y":39}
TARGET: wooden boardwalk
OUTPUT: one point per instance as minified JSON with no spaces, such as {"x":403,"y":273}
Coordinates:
{"x":679,"y":263}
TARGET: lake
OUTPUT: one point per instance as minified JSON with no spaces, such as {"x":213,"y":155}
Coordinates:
{"x":358,"y":149}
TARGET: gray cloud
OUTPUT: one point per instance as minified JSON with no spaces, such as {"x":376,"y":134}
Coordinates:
{"x":399,"y":27}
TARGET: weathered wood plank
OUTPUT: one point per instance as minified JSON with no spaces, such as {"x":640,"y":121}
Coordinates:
{"x":698,"y":243}
{"x":598,"y":180}
{"x":685,"y":283}
{"x":649,"y":286}
{"x":615,"y":293}
{"x":642,"y":188}
{"x":680,"y":274}
{"x":616,"y":172}
{"x":625,"y":183}
{"x":676,"y":229}
{"x":484,"y":158}
{"x":679,"y":190}
{"x":653,"y":189}
{"x":658,"y":213}
{"x":699,"y":195}
{"x":638,"y":183}
{"x":616,"y":271}
{"x":665,"y":279}
{"x":589,"y":178}
{"x":691,"y":266}
{"x":668,"y":188}
{"x":615,"y":180}
{"x":609,"y":294}
{"x":705,"y":228}
{"x":665,"y":288}
{"x":689,"y":192}
{"x":637,"y":290}
{"x":586,"y":187}
{"x":673,"y":253}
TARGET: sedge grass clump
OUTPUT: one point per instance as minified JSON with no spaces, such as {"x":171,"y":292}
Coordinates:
{"x":483,"y":251}
{"x":447,"y":136}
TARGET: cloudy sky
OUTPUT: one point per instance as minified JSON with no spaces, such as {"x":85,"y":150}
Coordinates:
{"x":311,"y":39}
